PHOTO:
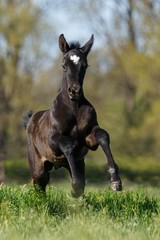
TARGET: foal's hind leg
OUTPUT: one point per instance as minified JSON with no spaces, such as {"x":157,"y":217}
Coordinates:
{"x":39,"y":169}
{"x":101,"y":137}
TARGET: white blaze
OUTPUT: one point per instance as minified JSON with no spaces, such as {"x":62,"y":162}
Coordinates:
{"x":74,"y":58}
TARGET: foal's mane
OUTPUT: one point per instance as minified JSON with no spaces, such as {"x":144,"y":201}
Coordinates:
{"x":74,"y":45}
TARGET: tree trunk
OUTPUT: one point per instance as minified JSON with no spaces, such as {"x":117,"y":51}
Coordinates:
{"x":131,"y":26}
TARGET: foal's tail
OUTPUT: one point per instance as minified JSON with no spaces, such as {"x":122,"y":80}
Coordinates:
{"x":26,"y":118}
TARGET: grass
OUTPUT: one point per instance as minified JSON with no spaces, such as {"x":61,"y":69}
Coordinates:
{"x":131,"y":214}
{"x":26,"y":214}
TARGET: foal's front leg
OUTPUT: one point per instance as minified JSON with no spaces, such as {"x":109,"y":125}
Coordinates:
{"x":76,"y":168}
{"x":101,"y":137}
{"x":78,"y":186}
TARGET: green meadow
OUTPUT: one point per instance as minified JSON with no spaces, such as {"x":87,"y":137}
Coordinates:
{"x":101,"y":213}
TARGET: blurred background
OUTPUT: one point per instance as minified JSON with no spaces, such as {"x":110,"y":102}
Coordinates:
{"x":122,"y":82}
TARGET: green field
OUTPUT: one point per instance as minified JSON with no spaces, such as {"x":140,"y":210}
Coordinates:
{"x":131,"y":214}
{"x":101,"y":214}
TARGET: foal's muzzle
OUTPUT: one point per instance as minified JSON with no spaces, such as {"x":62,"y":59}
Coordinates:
{"x":74,"y":92}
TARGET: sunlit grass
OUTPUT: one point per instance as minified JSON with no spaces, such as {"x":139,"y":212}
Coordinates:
{"x":101,"y":214}
{"x":133,"y":213}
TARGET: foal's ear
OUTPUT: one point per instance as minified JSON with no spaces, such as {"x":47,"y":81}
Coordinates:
{"x":87,"y":47}
{"x":63,"y":45}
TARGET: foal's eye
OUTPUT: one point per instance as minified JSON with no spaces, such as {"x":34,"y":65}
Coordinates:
{"x":64,"y":67}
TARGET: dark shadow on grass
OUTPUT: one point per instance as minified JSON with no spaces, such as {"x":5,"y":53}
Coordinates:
{"x":19,"y":173}
{"x":149,"y":177}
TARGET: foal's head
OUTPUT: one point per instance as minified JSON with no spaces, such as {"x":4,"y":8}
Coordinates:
{"x":74,"y":65}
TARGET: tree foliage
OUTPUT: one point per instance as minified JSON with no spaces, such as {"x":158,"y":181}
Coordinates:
{"x":130,"y":70}
{"x":21,"y":52}
{"x":122,"y":80}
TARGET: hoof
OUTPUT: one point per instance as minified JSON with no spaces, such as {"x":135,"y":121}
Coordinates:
{"x":116,"y":186}
{"x":77,"y":193}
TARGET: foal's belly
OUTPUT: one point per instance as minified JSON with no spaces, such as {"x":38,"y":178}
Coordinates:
{"x":45,"y":151}
{"x":48,"y":155}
